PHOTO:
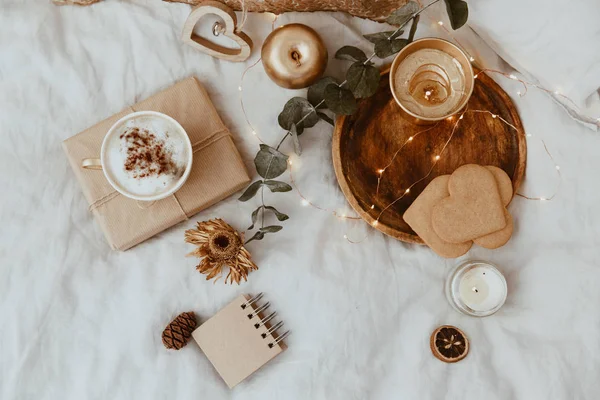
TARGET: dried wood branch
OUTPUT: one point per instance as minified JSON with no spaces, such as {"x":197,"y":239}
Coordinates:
{"x":375,"y":10}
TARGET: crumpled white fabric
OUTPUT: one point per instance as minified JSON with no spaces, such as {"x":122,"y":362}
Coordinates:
{"x":553,"y":43}
{"x":80,"y":321}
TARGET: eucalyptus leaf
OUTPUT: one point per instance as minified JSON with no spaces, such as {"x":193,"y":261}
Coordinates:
{"x":280,"y":216}
{"x":385,"y":48}
{"x":376,"y":37}
{"x":326,"y":118}
{"x":351,"y":53}
{"x":295,"y":110}
{"x":316,"y":92}
{"x":413,"y":28}
{"x":271,"y":228}
{"x":257,"y":236}
{"x":403,"y":14}
{"x":277,"y":186}
{"x":269,"y":162}
{"x":363,"y":80}
{"x":255,"y":217}
{"x":251,"y":191}
{"x":295,"y":140}
{"x":340,"y":100}
{"x":458,"y":12}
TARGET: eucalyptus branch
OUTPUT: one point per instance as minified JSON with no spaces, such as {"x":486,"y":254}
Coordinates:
{"x":367,"y":61}
{"x":361,"y":81}
{"x":262,"y":199}
{"x":425,"y":8}
{"x":288,"y":133}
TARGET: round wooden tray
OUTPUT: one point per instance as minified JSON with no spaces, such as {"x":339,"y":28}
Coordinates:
{"x":366,"y":141}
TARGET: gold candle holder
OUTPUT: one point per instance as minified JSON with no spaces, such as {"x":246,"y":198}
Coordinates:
{"x":431,"y":79}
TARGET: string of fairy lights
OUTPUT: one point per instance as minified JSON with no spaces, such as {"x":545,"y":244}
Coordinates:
{"x":436,"y":158}
{"x":520,"y":93}
{"x":513,"y":76}
{"x":454,"y":120}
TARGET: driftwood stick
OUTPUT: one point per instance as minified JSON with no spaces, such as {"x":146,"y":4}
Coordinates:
{"x":74,"y":2}
{"x":375,"y":10}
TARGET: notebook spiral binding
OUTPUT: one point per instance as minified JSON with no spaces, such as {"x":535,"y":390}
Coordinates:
{"x":259,"y":309}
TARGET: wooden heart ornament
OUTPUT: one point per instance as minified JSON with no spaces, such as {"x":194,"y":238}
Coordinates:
{"x":473,"y":209}
{"x":199,"y":43}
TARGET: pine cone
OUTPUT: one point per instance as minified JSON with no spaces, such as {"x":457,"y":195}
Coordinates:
{"x":178,"y":332}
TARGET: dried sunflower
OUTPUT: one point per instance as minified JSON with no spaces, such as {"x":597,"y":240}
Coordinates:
{"x":219,"y":245}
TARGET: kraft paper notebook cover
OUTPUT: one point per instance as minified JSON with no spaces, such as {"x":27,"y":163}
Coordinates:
{"x":238,"y":340}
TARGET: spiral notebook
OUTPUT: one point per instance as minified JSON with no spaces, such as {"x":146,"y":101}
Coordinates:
{"x":238,"y":340}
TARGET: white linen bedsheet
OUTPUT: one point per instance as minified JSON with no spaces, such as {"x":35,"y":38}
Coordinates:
{"x":79,"y":321}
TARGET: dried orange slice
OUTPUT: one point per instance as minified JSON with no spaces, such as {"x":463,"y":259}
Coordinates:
{"x":449,"y":344}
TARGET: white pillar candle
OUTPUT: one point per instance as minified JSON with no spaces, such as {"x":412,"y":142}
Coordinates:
{"x":476,"y":288}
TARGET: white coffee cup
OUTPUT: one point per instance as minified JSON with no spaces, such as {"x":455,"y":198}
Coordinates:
{"x":181,"y":138}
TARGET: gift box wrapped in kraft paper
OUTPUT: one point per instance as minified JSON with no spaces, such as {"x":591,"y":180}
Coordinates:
{"x":217,"y":168}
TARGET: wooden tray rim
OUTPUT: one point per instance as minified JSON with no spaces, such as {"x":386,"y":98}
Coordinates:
{"x":517,"y":178}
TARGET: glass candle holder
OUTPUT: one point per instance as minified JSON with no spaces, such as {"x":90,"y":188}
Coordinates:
{"x":476,"y":288}
{"x":431,"y":79}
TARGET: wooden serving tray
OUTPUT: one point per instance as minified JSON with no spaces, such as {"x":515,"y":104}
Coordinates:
{"x":366,"y":141}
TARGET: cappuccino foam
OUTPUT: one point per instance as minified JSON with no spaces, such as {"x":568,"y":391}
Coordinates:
{"x":146,"y":155}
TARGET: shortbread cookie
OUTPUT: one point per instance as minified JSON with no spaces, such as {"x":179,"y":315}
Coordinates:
{"x":418,"y":217}
{"x":473,"y":209}
{"x":500,"y":238}
{"x":504,"y":183}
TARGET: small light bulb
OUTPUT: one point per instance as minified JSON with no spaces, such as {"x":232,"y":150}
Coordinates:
{"x":557,"y":168}
{"x":375,"y":223}
{"x":380,"y":171}
{"x":254,"y":133}
{"x":556,"y":92}
{"x":471,"y":59}
{"x":372,"y":206}
{"x":411,"y":138}
{"x":290,"y":162}
{"x":476,"y":75}
{"x":407,"y":191}
{"x":519,"y":92}
{"x":528,"y":135}
{"x":543,"y":199}
{"x":343,"y":215}
{"x":511,"y":76}
{"x":494,"y":115}
{"x":440,"y":23}
{"x":461,"y":117}
{"x":304,"y":202}
{"x":437,"y":158}
{"x":240,"y":88}
{"x":345,"y":236}
{"x":450,"y":118}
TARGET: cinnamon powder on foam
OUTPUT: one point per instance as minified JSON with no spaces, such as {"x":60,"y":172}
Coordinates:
{"x":146,"y":154}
